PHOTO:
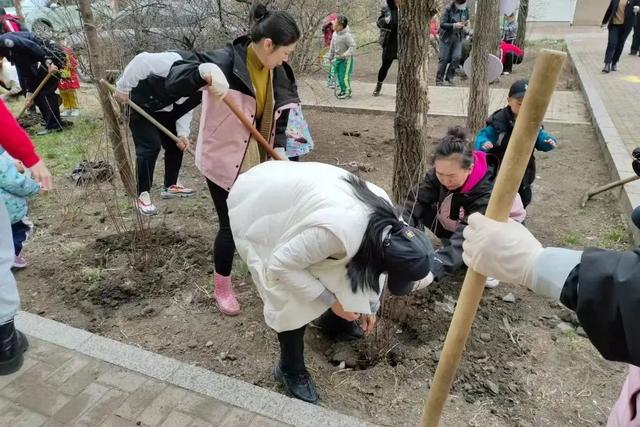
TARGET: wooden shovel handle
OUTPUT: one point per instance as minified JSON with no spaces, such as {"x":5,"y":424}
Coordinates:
{"x":543,"y":81}
{"x":147,"y":116}
{"x":254,"y":132}
{"x":35,"y":93}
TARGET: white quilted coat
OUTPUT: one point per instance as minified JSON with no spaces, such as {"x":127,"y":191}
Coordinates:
{"x":288,"y":219}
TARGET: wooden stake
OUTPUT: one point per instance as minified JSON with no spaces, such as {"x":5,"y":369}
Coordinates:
{"x":147,"y":116}
{"x":35,"y":93}
{"x":256,"y":134}
{"x":543,"y":81}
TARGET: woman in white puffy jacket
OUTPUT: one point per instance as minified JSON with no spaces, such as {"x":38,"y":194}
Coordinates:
{"x":318,"y":239}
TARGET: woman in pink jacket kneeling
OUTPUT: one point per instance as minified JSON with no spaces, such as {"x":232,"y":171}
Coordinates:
{"x":251,"y":72}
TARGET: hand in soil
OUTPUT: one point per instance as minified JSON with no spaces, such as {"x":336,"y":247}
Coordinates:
{"x":368,"y":323}
{"x":346,"y":315}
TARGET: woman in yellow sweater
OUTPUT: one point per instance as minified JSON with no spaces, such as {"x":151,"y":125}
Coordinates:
{"x":253,"y":73}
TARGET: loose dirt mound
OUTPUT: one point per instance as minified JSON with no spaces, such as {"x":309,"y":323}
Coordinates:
{"x":129,"y":266}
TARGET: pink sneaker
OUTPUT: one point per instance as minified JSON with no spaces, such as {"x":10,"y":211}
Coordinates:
{"x":224,"y":296}
{"x":19,"y":262}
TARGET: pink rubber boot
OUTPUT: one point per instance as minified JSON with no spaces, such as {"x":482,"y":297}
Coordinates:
{"x":224,"y":296}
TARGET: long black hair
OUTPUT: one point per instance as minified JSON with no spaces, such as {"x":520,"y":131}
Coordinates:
{"x":276,"y":25}
{"x":365,"y":267}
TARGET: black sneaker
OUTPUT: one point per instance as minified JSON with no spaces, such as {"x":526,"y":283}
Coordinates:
{"x":607,"y":68}
{"x":299,"y":386}
{"x":378,"y":88}
{"x":13,"y":344}
{"x":614,"y":67}
{"x":341,"y":95}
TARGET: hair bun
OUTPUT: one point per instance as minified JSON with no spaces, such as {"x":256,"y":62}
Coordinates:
{"x":260,"y":12}
{"x":458,"y":132}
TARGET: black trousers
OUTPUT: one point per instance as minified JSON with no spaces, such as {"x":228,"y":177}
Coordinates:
{"x":384,"y":68}
{"x":292,"y":351}
{"x":19,"y":231}
{"x":148,"y":140}
{"x":615,"y":45}
{"x":450,"y":54}
{"x":47,"y":100}
{"x":635,"y":43}
{"x":223,"y":246}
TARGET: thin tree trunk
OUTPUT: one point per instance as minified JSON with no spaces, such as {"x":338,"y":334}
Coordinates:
{"x":523,"y":14}
{"x":412,"y":103}
{"x":483,"y":43}
{"x":110,"y":117}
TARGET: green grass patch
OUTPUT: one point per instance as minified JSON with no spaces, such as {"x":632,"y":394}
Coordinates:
{"x":557,"y":44}
{"x":573,"y":239}
{"x":615,"y":236}
{"x":63,"y":150}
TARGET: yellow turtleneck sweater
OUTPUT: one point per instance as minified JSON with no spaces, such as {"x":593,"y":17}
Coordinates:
{"x":259,"y":75}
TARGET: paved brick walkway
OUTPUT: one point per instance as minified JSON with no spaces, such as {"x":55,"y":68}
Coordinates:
{"x":59,"y":387}
{"x":565,"y":107}
{"x":619,"y":91}
{"x":74,"y":378}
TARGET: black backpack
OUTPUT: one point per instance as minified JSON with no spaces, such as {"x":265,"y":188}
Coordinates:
{"x":381,"y":23}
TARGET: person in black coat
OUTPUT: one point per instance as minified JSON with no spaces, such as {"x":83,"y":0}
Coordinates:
{"x":619,"y":19}
{"x":34,"y":58}
{"x":453,"y":27}
{"x":602,"y":287}
{"x":388,"y":24}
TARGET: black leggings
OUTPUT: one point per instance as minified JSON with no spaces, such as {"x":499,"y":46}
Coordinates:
{"x":292,"y":351}
{"x":224,"y":246}
{"x":384,"y":68}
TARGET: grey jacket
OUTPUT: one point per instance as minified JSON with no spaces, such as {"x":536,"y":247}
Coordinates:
{"x":342,"y":44}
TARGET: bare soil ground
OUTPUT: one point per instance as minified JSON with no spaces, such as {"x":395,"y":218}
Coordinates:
{"x":150,"y":289}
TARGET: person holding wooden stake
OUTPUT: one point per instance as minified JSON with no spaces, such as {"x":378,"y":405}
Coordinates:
{"x":322,"y":248}
{"x":252,"y":73}
{"x":143,"y":80}
{"x":36,"y":58}
{"x":602,"y":287}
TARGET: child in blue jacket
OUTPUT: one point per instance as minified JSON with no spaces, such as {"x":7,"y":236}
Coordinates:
{"x":494,"y":138}
{"x":15,"y":187}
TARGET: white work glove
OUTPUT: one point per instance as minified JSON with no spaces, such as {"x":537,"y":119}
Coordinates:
{"x":215,"y":78}
{"x":506,"y":251}
{"x":281,"y":153}
{"x":422,"y":284}
{"x":636,"y":9}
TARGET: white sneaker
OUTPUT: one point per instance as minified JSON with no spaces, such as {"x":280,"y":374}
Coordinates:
{"x":176,"y":191}
{"x":65,"y":113}
{"x":145,"y":206}
{"x":491,"y":283}
{"x":75,"y":113}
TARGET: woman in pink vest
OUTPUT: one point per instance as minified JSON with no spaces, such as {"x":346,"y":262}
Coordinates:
{"x":251,"y":72}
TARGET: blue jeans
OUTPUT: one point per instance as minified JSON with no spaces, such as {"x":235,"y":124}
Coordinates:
{"x":9,"y":298}
{"x":635,"y":216}
{"x":19,"y":231}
